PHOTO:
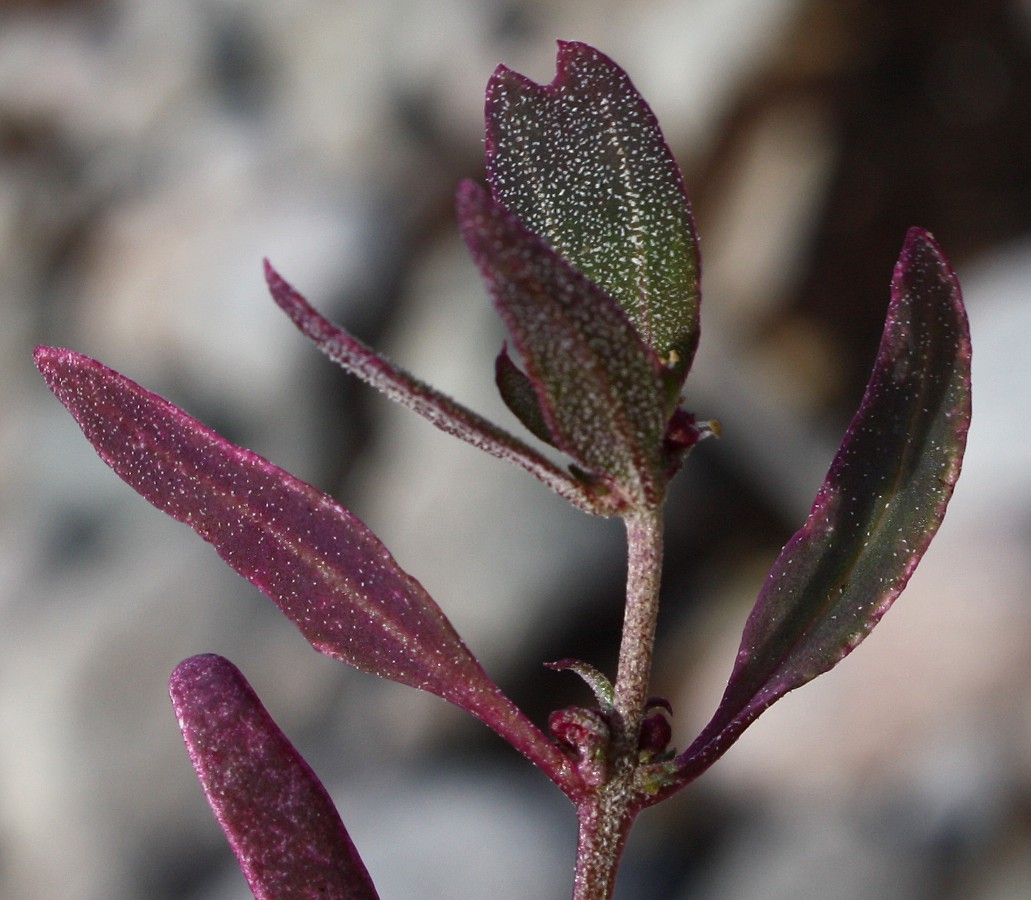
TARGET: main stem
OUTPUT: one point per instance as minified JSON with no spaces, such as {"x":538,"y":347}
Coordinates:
{"x":644,"y":574}
{"x":607,"y":811}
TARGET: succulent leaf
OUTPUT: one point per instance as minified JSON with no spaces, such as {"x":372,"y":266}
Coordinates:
{"x":281,"y":823}
{"x":582,"y":162}
{"x":881,"y":503}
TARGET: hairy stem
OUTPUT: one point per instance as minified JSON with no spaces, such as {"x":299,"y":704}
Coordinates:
{"x":607,"y":812}
{"x":605,"y":820}
{"x":644,"y":572}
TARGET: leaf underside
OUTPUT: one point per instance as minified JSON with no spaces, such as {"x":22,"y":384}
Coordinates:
{"x":327,"y":572}
{"x":280,"y":822}
{"x":437,"y":408}
{"x":583,"y":164}
{"x":520,"y":397}
{"x":881,"y":503}
{"x":599,"y":386}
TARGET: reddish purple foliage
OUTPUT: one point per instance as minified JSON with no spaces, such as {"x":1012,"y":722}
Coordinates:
{"x":586,"y":242}
{"x":878,"y":509}
{"x":281,"y":823}
{"x":599,"y":386}
{"x":440,"y":410}
{"x":326,"y":571}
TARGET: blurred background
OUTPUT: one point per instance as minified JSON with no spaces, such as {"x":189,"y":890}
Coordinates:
{"x":152,"y":153}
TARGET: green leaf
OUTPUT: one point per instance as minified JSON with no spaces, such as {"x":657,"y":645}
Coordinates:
{"x":874,"y":516}
{"x":583,"y":164}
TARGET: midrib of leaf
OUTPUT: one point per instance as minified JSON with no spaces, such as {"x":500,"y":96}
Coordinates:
{"x":882,"y":518}
{"x":320,"y":569}
{"x":635,"y":236}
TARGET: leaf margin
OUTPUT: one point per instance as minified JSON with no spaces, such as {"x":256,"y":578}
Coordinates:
{"x":748,"y":693}
{"x":275,"y":812}
{"x":447,"y":668}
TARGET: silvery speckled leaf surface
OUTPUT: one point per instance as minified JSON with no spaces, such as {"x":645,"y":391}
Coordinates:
{"x":582,"y":162}
{"x":600,"y":387}
{"x":325,"y":570}
{"x":152,"y":154}
{"x":279,"y":819}
{"x":877,"y":511}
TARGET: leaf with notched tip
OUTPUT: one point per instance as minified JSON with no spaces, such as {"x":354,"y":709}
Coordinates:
{"x":583,"y":164}
{"x":882,"y":502}
{"x":280,"y":822}
{"x":327,"y":572}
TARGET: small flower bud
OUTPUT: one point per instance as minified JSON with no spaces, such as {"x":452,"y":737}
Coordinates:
{"x":583,"y":734}
{"x":656,"y":733}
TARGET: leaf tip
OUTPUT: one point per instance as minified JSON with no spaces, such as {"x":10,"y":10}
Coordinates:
{"x":61,"y":368}
{"x":42,"y":354}
{"x":203,"y":665}
{"x":921,"y":246}
{"x":277,"y":284}
{"x":49,"y":359}
{"x":917,"y":237}
{"x":290,"y":300}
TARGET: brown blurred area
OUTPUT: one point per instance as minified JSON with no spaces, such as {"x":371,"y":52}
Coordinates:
{"x":921,"y":107}
{"x":151,"y":155}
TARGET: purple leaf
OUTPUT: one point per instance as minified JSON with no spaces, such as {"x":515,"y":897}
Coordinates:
{"x":600,"y":387}
{"x":873,"y":518}
{"x":583,"y":164}
{"x":318,"y":563}
{"x":440,"y":410}
{"x":280,"y":821}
